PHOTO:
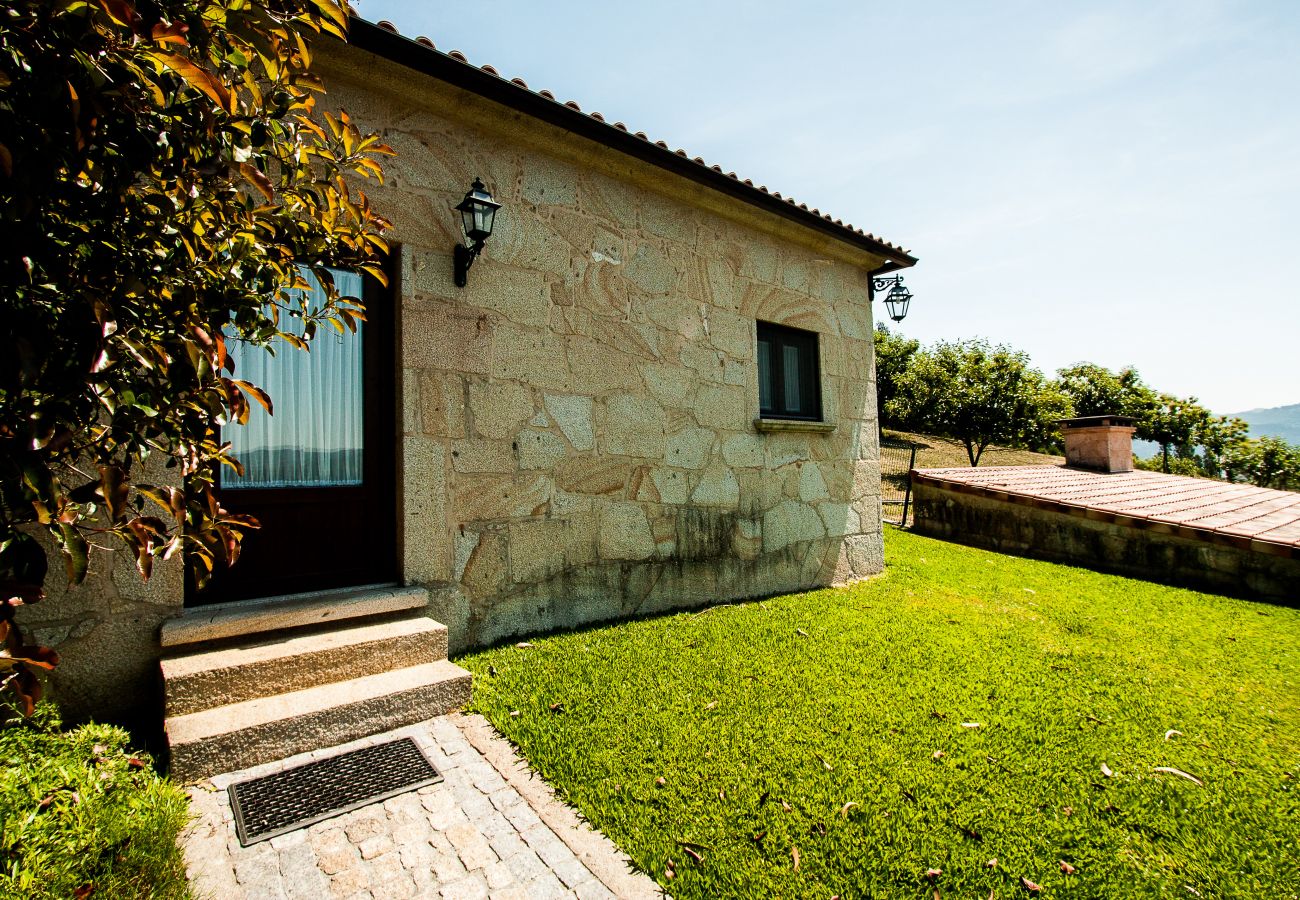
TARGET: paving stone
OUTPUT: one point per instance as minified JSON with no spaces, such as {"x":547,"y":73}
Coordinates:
{"x":516,"y":892}
{"x":593,"y":890}
{"x":395,"y":888}
{"x":526,"y":865}
{"x":376,"y":846}
{"x":507,"y":844}
{"x":547,"y":887}
{"x":498,"y":875}
{"x":572,"y":872}
{"x":349,"y":882}
{"x":472,"y":887}
{"x":478,"y":834}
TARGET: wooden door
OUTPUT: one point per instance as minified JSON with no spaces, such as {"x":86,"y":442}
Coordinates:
{"x":320,"y":475}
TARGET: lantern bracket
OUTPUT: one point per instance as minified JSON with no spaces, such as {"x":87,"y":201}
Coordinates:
{"x":478,"y":215}
{"x":899,"y":297}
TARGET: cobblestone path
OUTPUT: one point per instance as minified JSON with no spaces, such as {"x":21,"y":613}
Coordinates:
{"x":491,"y":829}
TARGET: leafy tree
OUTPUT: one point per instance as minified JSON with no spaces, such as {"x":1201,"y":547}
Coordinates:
{"x":1175,"y":423}
{"x":1266,"y":462}
{"x":979,"y":394}
{"x":1097,"y":391}
{"x":163,"y":172}
{"x":893,"y":355}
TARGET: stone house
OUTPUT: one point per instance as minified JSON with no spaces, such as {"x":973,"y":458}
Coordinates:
{"x":656,"y":391}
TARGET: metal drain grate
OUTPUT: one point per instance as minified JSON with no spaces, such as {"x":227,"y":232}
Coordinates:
{"x":273,"y":804}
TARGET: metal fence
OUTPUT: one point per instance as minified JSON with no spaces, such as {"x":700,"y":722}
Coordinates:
{"x":897,"y":459}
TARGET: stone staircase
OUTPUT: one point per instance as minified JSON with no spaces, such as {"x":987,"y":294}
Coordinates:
{"x":239,"y":701}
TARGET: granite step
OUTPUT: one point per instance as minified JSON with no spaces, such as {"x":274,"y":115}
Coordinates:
{"x":252,"y":732}
{"x":196,"y":681}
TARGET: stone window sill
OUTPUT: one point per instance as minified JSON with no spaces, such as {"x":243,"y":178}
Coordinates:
{"x":778,"y":425}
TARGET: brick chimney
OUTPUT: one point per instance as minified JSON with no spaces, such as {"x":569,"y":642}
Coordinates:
{"x":1100,"y":443}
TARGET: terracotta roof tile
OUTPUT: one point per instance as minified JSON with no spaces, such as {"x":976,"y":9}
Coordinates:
{"x":900,"y":255}
{"x":1196,"y":507}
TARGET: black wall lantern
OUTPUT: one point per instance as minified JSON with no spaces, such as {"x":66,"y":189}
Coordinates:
{"x":478,"y":212}
{"x":898,"y":298}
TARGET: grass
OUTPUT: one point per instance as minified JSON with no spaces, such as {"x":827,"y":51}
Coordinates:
{"x":944,"y":453}
{"x":840,"y":724}
{"x":81,"y":816}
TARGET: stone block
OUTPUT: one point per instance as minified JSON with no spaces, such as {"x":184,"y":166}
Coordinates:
{"x":724,"y":406}
{"x":438,"y":336}
{"x":540,"y":449}
{"x":573,"y":417}
{"x":486,"y":498}
{"x":593,"y":475}
{"x":441,"y":399}
{"x":717,"y":487}
{"x":652,"y":270}
{"x":839,"y":518}
{"x":530,"y":355}
{"x":426,"y":543}
{"x":670,"y":385}
{"x":499,"y":408}
{"x":811,"y":484}
{"x":477,"y":456}
{"x":634,"y":426}
{"x":690,"y":448}
{"x":671,"y":486}
{"x":625,"y":532}
{"x":790,"y":522}
{"x":537,"y":550}
{"x":521,"y":295}
{"x":549,"y":181}
{"x":744,"y":450}
{"x":599,"y":369}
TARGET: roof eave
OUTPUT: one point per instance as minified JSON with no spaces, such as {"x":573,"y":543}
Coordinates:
{"x":424,"y":59}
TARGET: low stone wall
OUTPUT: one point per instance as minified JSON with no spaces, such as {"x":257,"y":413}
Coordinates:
{"x":1147,"y":552}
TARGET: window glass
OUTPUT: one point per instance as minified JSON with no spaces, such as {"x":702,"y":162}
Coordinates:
{"x":788,"y":379}
{"x":315,"y":437}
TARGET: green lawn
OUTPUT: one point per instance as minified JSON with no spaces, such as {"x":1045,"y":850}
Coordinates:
{"x":842,"y":724}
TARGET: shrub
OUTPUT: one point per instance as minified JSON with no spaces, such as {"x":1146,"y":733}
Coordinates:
{"x":82,"y":816}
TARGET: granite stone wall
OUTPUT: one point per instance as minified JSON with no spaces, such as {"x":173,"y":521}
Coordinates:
{"x":578,"y":438}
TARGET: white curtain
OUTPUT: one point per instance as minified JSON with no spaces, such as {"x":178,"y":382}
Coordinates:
{"x":315,"y":437}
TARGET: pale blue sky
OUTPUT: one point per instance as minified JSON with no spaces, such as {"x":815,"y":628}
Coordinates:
{"x":1115,"y":182}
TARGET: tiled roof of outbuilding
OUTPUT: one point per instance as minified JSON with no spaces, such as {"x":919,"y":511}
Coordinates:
{"x":1241,"y":515}
{"x":420,"y":53}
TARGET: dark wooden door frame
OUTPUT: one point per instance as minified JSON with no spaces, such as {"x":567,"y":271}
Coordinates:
{"x":346,"y":535}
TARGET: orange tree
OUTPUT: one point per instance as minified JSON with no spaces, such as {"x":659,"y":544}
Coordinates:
{"x":164,"y":171}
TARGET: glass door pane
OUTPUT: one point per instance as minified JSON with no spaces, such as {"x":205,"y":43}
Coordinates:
{"x":316,"y":436}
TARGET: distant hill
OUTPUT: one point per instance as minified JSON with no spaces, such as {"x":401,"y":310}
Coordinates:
{"x":1280,"y":421}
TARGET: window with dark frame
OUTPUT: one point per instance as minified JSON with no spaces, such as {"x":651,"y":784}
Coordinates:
{"x":789,"y":378}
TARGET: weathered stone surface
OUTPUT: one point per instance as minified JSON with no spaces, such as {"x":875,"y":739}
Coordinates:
{"x":672,"y":486}
{"x":483,"y":498}
{"x":744,"y":450}
{"x":573,"y":417}
{"x":790,"y":522}
{"x":690,"y":448}
{"x":634,"y":426}
{"x":530,"y":356}
{"x":717,"y":487}
{"x":593,"y":475}
{"x":540,"y":449}
{"x":442,"y":403}
{"x":499,"y":408}
{"x":480,"y":456}
{"x":437,"y":336}
{"x":536,"y":550}
{"x":625,"y":532}
{"x":811,"y":484}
